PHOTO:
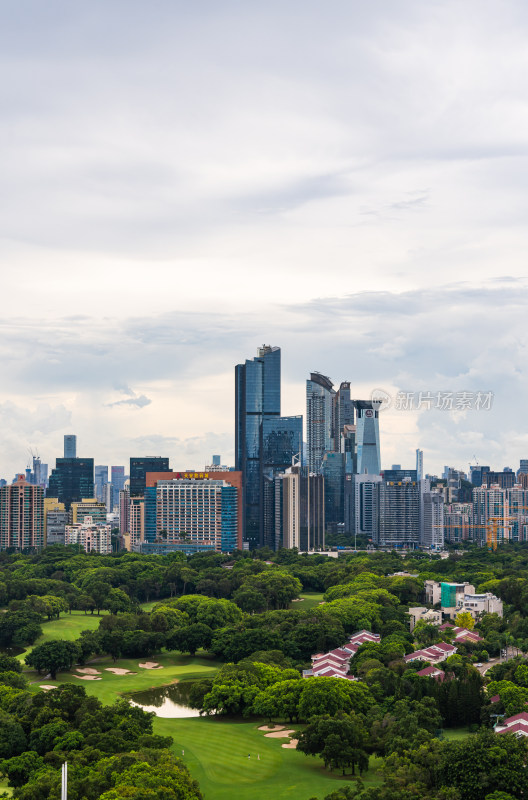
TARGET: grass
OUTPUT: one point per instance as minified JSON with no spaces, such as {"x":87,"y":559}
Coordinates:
{"x":67,"y":627}
{"x":150,"y":605}
{"x":5,"y":788}
{"x":216,"y":753}
{"x":175,"y":667}
{"x":309,"y":600}
{"x":455,"y":734}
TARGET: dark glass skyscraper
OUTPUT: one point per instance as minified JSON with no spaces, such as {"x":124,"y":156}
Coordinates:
{"x":72,"y":480}
{"x":257,"y":395}
{"x":139,"y":468}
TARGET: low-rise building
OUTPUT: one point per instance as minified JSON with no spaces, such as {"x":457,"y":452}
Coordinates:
{"x":432,"y":672}
{"x":434,"y":654}
{"x":479,"y":604}
{"x":421,"y":613}
{"x":518,"y":725}
{"x":336,"y":663}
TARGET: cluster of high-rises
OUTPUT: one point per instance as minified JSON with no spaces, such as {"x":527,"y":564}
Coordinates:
{"x":291,"y":485}
{"x":292,"y":498}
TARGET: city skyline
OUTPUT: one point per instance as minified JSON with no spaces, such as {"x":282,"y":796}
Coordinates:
{"x":208,"y":178}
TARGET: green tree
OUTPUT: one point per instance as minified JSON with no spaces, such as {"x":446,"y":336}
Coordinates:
{"x":465,"y":620}
{"x":328,"y":695}
{"x":53,"y":656}
{"x":340,"y":741}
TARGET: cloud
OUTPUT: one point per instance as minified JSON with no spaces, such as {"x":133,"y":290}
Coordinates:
{"x":139,"y":401}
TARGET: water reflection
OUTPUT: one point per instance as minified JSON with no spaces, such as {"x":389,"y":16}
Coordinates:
{"x":167,"y":701}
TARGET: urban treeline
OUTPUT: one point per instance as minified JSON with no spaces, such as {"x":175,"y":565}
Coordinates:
{"x":241,"y":609}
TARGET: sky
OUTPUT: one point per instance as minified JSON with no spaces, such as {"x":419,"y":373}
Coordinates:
{"x":183,"y":182}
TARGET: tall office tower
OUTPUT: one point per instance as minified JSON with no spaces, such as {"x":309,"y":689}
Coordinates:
{"x":257,"y":396}
{"x":419,"y":465}
{"x":343,"y":412}
{"x":118,"y":480}
{"x":367,"y":437}
{"x":124,"y":512}
{"x":333,"y":472}
{"x":431,"y":517}
{"x":399,"y":514}
{"x":101,"y":479}
{"x":21,"y":515}
{"x":138,"y":471}
{"x":71,"y":480}
{"x":523,"y":466}
{"x":216,"y":460}
{"x":299,"y":510}
{"x":366,"y":490}
{"x":320,"y":394}
{"x":280,"y":447}
{"x":70,"y":446}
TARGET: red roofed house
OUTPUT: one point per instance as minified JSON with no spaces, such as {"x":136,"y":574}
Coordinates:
{"x":518,"y":724}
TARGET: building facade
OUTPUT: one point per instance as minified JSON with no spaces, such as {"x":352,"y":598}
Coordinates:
{"x":21,"y":516}
{"x":139,"y":468}
{"x":88,"y":507}
{"x":367,"y":437}
{"x":320,"y":417}
{"x":89,"y":536}
{"x":71,"y":480}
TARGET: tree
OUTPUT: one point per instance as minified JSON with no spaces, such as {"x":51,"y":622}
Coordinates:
{"x":190,"y":639}
{"x":280,"y":700}
{"x":53,"y":656}
{"x":331,"y":695}
{"x":249,"y":600}
{"x":18,"y":769}
{"x":117,"y":601}
{"x":465,"y":620}
{"x":340,"y":741}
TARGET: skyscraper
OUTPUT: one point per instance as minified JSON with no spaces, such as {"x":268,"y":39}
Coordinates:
{"x":367,"y":437}
{"x":101,"y":479}
{"x":419,"y":465}
{"x":343,"y":412}
{"x":70,"y":446}
{"x":71,"y":480}
{"x":118,"y":480}
{"x":281,"y":443}
{"x":320,"y":395}
{"x":257,"y":395}
{"x":138,"y":471}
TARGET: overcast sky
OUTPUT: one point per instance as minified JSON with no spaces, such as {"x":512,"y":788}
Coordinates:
{"x":181,"y":182}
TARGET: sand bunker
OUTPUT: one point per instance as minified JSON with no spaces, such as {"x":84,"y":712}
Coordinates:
{"x":291,"y":745}
{"x":88,"y":671}
{"x":119,"y":671}
{"x":47,"y":686}
{"x":87,"y":677}
{"x":272,"y":727}
{"x":150,"y":665}
{"x":278,"y":735}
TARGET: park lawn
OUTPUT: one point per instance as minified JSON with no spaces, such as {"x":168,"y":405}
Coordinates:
{"x":4,"y":787}
{"x":176,"y":667}
{"x":456,"y":734}
{"x":150,"y":605}
{"x":67,"y":627}
{"x":309,"y":600}
{"x":216,"y":753}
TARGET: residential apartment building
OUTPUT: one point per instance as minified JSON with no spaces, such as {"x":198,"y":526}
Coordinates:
{"x":89,"y":536}
{"x":21,"y":516}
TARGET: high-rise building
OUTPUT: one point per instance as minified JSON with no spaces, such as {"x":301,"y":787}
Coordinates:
{"x":118,"y":480}
{"x":366,"y":500}
{"x":457,"y":522}
{"x":523,"y":466}
{"x":431,"y":517}
{"x":70,"y":446}
{"x":476,"y":472}
{"x":505,"y":479}
{"x":367,"y":437}
{"x":419,"y":465}
{"x":139,"y":467}
{"x":21,"y":516}
{"x":124,"y":512}
{"x":343,"y":412}
{"x":320,"y":415}
{"x":192,"y":512}
{"x":257,"y":396}
{"x":71,"y":480}
{"x":90,"y":536}
{"x":136,"y":522}
{"x":299,"y":510}
{"x":399,"y":514}
{"x":333,"y":472}
{"x":280,"y":446}
{"x":55,"y":520}
{"x":101,"y":479}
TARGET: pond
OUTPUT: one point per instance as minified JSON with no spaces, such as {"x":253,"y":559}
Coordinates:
{"x":167,"y":701}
